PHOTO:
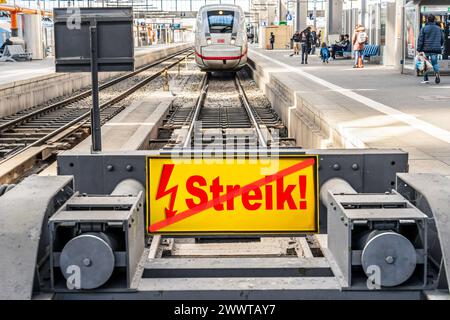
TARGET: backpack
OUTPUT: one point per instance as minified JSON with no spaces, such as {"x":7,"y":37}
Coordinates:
{"x":362,"y":37}
{"x":303,"y":37}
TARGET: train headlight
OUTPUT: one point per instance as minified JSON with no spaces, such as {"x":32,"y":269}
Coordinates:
{"x":209,"y":42}
{"x":233,"y":42}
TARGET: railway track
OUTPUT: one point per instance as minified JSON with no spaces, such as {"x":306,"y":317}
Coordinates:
{"x":62,"y":124}
{"x":223,"y":117}
{"x":227,"y":115}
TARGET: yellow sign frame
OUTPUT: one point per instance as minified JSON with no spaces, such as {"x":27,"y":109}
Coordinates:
{"x":167,"y":191}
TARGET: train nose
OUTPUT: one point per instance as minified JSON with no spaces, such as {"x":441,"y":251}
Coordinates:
{"x":221,"y":57}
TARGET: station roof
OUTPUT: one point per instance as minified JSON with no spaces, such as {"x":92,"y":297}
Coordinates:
{"x":162,"y":10}
{"x":159,"y":8}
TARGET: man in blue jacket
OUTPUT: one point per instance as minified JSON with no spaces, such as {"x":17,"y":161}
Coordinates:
{"x":431,"y":40}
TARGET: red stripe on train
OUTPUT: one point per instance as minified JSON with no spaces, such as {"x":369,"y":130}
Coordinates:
{"x":221,"y":58}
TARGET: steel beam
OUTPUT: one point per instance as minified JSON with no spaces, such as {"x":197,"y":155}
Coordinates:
{"x":366,"y":170}
{"x":24,"y":212}
{"x":431,"y":194}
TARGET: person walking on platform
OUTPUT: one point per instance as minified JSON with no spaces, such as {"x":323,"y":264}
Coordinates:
{"x":296,"y":42}
{"x":272,"y":40}
{"x":359,"y":41}
{"x":431,"y":41}
{"x":306,"y":42}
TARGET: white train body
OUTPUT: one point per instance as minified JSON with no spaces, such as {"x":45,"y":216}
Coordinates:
{"x":221,"y":38}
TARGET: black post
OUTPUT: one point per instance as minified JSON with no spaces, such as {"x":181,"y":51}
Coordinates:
{"x":96,"y":132}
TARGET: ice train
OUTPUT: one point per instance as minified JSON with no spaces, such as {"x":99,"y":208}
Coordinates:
{"x":221,"y":38}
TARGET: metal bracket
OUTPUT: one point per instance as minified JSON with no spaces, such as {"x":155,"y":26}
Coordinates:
{"x":366,"y":170}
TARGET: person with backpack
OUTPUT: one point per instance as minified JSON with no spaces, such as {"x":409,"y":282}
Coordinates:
{"x":431,"y":41}
{"x":305,"y":42}
{"x":296,"y":41}
{"x":359,"y":41}
{"x":272,"y":40}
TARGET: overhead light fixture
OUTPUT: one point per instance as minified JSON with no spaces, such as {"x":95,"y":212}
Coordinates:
{"x":220,"y":12}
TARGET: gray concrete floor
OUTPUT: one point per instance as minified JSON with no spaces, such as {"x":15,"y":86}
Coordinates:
{"x":23,"y":70}
{"x":399,"y":112}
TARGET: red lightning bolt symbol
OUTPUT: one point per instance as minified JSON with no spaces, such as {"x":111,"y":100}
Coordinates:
{"x":162,"y":192}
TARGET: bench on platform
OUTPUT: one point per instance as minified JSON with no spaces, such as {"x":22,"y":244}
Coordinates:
{"x":371,"y":50}
{"x":346,"y":53}
{"x":15,"y":52}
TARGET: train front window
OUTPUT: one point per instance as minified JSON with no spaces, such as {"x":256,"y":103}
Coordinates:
{"x":221,"y":21}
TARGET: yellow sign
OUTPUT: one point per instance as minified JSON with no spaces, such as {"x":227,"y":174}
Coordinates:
{"x":3,"y":1}
{"x":264,"y":195}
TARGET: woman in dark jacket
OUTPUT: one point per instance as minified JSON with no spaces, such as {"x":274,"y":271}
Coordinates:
{"x":431,"y":40}
{"x":305,"y":42}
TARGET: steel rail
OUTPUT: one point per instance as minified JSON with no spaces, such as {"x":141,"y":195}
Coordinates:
{"x":104,"y":105}
{"x":196,"y":112}
{"x":85,"y":94}
{"x":249,"y":110}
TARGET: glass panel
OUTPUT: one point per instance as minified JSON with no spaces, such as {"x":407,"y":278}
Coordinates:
{"x":153,"y":5}
{"x":228,"y":1}
{"x":410,"y":35}
{"x":383,"y":21}
{"x":196,"y":4}
{"x":221,"y":21}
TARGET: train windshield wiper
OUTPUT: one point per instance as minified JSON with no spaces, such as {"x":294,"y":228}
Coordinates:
{"x":223,"y":30}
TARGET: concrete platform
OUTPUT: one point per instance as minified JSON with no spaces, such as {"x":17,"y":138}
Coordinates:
{"x":14,"y":72}
{"x":336,"y":106}
{"x":132,"y":128}
{"x":26,"y":84}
